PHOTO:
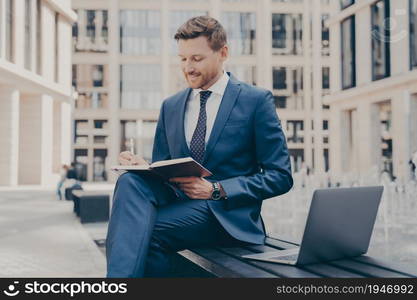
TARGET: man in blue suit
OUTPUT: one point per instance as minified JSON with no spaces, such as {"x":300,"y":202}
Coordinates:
{"x":233,"y":130}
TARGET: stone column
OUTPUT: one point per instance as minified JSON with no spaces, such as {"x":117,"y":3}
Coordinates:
{"x":306,"y":46}
{"x":36,"y":140}
{"x":114,"y":92}
{"x":369,"y":137}
{"x":317,"y":88}
{"x":363,"y":46}
{"x":401,"y":134}
{"x":335,"y":142}
{"x":399,"y":36}
{"x":66,"y":133}
{"x":9,"y":135}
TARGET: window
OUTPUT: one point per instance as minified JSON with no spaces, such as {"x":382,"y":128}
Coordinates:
{"x":89,"y":76}
{"x":295,"y":131}
{"x":28,"y":34}
{"x":90,"y":33}
{"x":241,"y":32}
{"x":81,"y":163}
{"x":326,"y":159}
{"x":176,"y":19}
{"x":280,"y":78}
{"x":243,"y":73}
{"x":380,"y":40}
{"x":346,"y":3}
{"x":9,"y":30}
{"x":280,"y":101}
{"x":80,"y":131}
{"x":413,"y":34}
{"x":56,"y":47}
{"x":140,"y":86}
{"x":325,"y":37}
{"x":100,"y":124}
{"x":348,"y":53}
{"x":99,"y":165}
{"x":288,"y":87}
{"x":94,"y":100}
{"x":326,"y":78}
{"x":287,"y":30}
{"x":297,"y":156}
{"x":80,"y":125}
{"x":140,"y":32}
{"x":39,"y":37}
{"x":100,"y":139}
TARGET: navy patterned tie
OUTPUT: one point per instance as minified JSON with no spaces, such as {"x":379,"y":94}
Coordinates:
{"x":198,"y":141}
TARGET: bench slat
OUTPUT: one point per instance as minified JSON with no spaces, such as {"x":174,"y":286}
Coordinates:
{"x":364,"y":269}
{"x":233,"y":264}
{"x":396,"y":267}
{"x":207,"y":265}
{"x":279,"y":270}
{"x":377,"y":264}
{"x":324,"y":269}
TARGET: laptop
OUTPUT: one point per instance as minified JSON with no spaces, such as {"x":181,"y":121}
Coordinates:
{"x":339,"y":224}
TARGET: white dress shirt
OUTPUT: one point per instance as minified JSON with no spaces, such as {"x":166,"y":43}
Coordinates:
{"x":212,"y":106}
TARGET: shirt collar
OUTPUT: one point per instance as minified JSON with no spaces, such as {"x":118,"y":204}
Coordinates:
{"x":218,"y":87}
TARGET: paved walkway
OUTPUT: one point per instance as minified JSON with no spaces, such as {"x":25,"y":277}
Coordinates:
{"x":41,"y":237}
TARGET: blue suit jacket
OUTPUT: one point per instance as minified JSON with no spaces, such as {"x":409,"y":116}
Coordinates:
{"x":246,"y":152}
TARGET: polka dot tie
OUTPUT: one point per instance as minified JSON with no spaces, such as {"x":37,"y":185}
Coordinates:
{"x":198,"y":141}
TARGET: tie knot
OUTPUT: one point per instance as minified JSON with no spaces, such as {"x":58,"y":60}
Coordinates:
{"x":204,"y":95}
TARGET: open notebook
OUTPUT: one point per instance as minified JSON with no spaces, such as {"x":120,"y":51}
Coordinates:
{"x":180,"y":167}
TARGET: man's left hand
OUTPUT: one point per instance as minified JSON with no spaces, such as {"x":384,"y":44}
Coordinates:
{"x":194,"y":187}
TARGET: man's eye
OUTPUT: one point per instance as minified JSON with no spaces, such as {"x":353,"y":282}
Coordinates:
{"x":198,"y":59}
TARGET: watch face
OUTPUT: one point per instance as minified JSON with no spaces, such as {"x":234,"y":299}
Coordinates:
{"x":215,"y":195}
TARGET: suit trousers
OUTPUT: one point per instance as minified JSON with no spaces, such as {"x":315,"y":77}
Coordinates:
{"x":150,"y":222}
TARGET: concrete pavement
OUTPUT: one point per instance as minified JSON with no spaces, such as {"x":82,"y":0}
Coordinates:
{"x":40,"y":236}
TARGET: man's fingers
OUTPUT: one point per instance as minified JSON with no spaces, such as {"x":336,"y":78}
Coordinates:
{"x":188,"y":185}
{"x":124,"y":162}
{"x":137,"y":160}
{"x":126,"y":155}
{"x":183,"y":179}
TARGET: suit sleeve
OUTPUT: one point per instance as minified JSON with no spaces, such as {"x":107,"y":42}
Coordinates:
{"x":160,"y":143}
{"x":274,"y":176}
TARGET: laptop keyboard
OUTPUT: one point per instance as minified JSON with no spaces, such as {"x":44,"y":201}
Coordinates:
{"x":287,"y":257}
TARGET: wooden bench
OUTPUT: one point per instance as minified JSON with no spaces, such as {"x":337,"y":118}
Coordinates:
{"x":226,"y":262}
{"x":91,"y":206}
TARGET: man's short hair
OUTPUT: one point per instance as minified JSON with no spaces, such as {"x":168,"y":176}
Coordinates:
{"x":203,"y":26}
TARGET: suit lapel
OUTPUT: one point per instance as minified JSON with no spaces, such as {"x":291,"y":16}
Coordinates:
{"x":228,"y":101}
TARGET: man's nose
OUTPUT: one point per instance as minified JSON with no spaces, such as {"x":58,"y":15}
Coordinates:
{"x":189,"y":67}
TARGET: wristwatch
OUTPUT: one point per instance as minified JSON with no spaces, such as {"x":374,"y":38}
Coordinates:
{"x":216,"y":195}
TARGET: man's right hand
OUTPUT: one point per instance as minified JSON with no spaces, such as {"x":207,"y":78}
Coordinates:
{"x":127,"y":158}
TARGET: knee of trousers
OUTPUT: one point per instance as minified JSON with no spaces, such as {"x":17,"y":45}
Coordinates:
{"x":130,"y":179}
{"x":131,"y":182}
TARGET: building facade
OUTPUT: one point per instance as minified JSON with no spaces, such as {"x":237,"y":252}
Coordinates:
{"x":125,"y":64}
{"x":373,"y":101}
{"x":35,"y":90}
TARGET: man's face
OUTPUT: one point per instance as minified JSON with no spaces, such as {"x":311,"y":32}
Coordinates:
{"x":201,"y":66}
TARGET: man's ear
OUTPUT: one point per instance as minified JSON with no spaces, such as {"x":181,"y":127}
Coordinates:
{"x":224,"y":52}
